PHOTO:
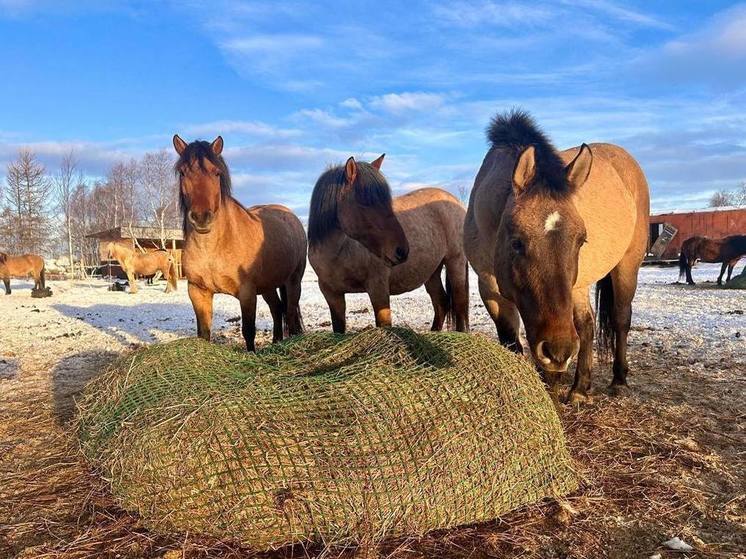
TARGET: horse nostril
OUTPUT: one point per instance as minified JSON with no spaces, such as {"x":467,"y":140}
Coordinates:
{"x":402,"y":254}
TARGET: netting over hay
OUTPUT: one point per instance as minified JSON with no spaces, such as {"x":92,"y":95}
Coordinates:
{"x":325,"y":438}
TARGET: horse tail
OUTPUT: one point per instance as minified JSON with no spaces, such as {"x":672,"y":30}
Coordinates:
{"x":172,"y":273}
{"x":683,"y":263}
{"x":42,"y":278}
{"x":606,"y":336}
{"x":284,"y":311}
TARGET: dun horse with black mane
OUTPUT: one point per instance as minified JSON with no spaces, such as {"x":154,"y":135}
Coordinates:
{"x":728,"y":250}
{"x":541,"y":228}
{"x":244,"y":252}
{"x":22,"y":266}
{"x":361,"y":240}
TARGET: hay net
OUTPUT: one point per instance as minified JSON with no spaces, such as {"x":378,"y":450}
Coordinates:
{"x":340,"y":439}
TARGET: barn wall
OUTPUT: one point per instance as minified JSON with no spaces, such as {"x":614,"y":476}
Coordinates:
{"x":709,"y":224}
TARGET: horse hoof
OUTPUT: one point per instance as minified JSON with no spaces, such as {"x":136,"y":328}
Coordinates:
{"x":616,"y":389}
{"x":578,"y":399}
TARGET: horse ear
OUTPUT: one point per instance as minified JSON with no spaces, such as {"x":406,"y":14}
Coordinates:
{"x":217,"y":145}
{"x":351,"y":171}
{"x":378,"y":162}
{"x":179,"y":144}
{"x":578,"y":169}
{"x":524,"y":170}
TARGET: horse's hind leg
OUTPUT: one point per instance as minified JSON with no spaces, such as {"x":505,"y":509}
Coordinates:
{"x":247,"y":298}
{"x":439,"y":298}
{"x":731,"y":266}
{"x":624,"y":284}
{"x":503,"y":313}
{"x":275,"y":308}
{"x":584,"y":324}
{"x":457,"y":276}
{"x":722,"y":272}
{"x":6,"y":281}
{"x":689,"y":279}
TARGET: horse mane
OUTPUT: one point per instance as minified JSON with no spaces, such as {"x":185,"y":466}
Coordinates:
{"x":371,"y":189}
{"x":517,"y":130}
{"x":201,"y":151}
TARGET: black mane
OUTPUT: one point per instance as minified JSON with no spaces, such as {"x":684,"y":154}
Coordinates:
{"x":201,"y":151}
{"x":517,"y":129}
{"x":371,"y":189}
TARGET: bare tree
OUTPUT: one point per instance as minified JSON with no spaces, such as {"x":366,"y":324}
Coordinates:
{"x":160,"y":190}
{"x":67,"y":178}
{"x":721,"y":198}
{"x":463,"y":194}
{"x":27,"y":198}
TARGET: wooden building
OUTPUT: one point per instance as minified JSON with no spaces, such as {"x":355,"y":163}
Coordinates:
{"x":679,"y":225}
{"x":139,"y":237}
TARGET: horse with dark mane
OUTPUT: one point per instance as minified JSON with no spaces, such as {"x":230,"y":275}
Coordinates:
{"x":244,"y":252}
{"x":136,"y":264}
{"x":727,"y":250}
{"x":22,"y":266}
{"x":542,"y":227}
{"x":361,"y":240}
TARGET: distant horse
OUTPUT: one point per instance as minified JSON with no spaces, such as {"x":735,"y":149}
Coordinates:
{"x":22,"y":266}
{"x":728,"y":250}
{"x":360,"y":240}
{"x":234,"y":250}
{"x":137,"y":264}
{"x":540,"y":229}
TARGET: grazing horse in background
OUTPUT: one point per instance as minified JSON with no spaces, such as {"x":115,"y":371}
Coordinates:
{"x":727,"y":250}
{"x":239,"y":251}
{"x":542,"y":226}
{"x":22,"y":266}
{"x":360,"y":240}
{"x":137,"y":264}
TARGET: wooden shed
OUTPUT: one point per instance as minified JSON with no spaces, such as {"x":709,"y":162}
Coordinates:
{"x":710,"y":222}
{"x":140,"y":236}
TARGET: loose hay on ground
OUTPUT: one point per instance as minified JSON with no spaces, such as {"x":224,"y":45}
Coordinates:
{"x":325,"y":438}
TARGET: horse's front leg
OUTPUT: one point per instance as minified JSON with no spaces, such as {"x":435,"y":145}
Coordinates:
{"x":583,"y":320}
{"x":722,"y":272}
{"x":6,"y":281}
{"x":378,"y":292}
{"x":247,"y":298}
{"x":202,"y":304}
{"x":337,"y":307}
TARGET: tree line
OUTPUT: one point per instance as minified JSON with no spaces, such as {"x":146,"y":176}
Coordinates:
{"x":52,"y":213}
{"x":735,"y":197}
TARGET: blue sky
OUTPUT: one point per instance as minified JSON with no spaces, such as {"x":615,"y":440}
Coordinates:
{"x":295,"y":86}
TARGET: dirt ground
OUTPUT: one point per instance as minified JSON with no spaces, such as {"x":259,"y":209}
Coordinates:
{"x":666,"y":460}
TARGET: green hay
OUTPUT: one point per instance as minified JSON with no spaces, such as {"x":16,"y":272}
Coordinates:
{"x":324,"y":438}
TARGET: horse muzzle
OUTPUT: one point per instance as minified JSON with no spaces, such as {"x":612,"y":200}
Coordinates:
{"x":555,"y":356}
{"x":201,"y":221}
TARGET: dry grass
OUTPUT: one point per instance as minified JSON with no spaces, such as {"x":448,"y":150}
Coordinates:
{"x":666,"y":461}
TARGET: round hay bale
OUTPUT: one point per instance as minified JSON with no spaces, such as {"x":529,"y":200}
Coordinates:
{"x":737,"y":282}
{"x":339,"y":439}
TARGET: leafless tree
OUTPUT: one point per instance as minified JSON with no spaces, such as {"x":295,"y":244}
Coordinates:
{"x":67,"y":178}
{"x":160,"y":190}
{"x":27,"y":199}
{"x":721,"y":198}
{"x":463,"y":194}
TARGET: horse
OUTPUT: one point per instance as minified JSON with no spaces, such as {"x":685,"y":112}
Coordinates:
{"x":361,"y":240}
{"x":137,"y":264}
{"x":22,"y":266}
{"x":542,"y":226}
{"x":728,"y":250}
{"x":243,"y":252}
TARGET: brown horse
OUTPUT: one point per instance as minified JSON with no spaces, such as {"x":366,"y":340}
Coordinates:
{"x":541,"y":228}
{"x":137,"y":264}
{"x":234,"y":250}
{"x":728,"y":250}
{"x":360,"y":240}
{"x":22,"y":266}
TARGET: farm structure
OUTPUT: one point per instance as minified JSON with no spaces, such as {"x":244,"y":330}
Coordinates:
{"x":139,"y":237}
{"x":676,"y":226}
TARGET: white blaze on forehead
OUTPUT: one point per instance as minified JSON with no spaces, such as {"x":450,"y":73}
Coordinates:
{"x":552,"y":220}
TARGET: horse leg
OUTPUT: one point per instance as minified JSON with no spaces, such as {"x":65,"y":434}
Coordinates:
{"x":731,"y":265}
{"x":689,"y":264}
{"x":624,"y":284}
{"x":6,"y":281}
{"x":584,"y":325}
{"x":275,"y":308}
{"x":202,"y":304}
{"x":381,"y":301}
{"x":457,"y":275}
{"x":503,"y":313}
{"x":293,"y":290}
{"x":434,"y":288}
{"x":722,"y":272}
{"x":132,"y":281}
{"x":337,"y":307}
{"x":247,"y":298}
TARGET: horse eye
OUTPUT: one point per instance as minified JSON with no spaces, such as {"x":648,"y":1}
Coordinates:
{"x":517,"y":246}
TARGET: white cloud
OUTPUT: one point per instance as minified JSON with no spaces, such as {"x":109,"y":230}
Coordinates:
{"x":249,"y":128}
{"x":408,"y":101}
{"x":503,"y":14}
